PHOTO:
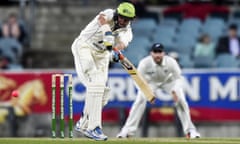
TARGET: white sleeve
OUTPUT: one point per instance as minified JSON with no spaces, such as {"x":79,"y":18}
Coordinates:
{"x":126,"y":36}
{"x":176,"y":69}
{"x":142,"y":67}
{"x":108,"y":14}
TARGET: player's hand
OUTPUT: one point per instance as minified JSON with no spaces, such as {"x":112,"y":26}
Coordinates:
{"x":108,"y":40}
{"x":102,"y":19}
{"x":116,"y":55}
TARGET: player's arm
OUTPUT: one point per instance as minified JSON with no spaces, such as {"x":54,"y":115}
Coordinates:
{"x":120,"y":46}
{"x":103,"y":20}
{"x":142,"y":69}
{"x":124,"y":38}
{"x":104,"y":17}
{"x":122,"y":41}
{"x":176,"y":70}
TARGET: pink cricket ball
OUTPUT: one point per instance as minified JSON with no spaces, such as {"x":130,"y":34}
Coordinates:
{"x":15,"y":93}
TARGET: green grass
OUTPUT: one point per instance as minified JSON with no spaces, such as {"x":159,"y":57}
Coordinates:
{"x":120,"y":141}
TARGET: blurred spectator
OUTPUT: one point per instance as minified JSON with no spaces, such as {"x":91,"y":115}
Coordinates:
{"x":204,"y":47}
{"x":140,"y":7}
{"x":11,"y":50}
{"x":3,"y":62}
{"x":194,"y":9}
{"x":142,"y":11}
{"x":174,"y":55}
{"x":11,"y":27}
{"x":229,"y":44}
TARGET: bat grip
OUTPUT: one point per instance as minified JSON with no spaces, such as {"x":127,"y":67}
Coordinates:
{"x":121,"y":56}
{"x":152,"y":101}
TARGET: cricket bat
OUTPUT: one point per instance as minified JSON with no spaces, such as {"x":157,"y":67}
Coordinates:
{"x":137,"y":77}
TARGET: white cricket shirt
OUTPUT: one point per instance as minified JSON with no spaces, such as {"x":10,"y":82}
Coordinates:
{"x":157,"y":75}
{"x":93,"y":33}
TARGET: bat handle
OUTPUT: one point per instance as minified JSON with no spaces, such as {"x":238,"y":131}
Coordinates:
{"x":121,"y":56}
{"x":152,"y":101}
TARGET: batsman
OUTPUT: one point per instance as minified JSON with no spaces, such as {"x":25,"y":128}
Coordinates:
{"x":92,"y":51}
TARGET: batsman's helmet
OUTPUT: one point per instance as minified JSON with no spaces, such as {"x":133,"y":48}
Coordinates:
{"x":126,"y":10}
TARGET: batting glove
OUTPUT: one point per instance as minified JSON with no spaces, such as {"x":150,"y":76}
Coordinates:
{"x":116,"y":56}
{"x":108,"y":40}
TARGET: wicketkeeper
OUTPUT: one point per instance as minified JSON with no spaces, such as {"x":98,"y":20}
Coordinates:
{"x":161,"y":72}
{"x":92,"y":50}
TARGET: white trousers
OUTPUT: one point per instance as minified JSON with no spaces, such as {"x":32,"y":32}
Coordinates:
{"x":92,"y":69}
{"x":89,"y":62}
{"x":139,"y":106}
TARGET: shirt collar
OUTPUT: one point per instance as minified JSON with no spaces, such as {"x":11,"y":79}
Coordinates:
{"x":163,"y":61}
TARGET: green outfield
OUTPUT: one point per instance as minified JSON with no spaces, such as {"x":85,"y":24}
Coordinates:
{"x":120,"y":141}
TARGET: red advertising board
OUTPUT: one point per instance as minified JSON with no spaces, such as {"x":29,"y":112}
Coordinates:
{"x":34,"y":89}
{"x":212,"y":96}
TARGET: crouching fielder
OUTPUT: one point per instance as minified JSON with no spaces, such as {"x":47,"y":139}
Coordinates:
{"x":160,"y":71}
{"x":92,"y":50}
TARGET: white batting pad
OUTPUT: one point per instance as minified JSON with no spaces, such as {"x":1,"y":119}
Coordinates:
{"x":94,"y":102}
{"x":84,"y":119}
{"x":106,"y":96}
